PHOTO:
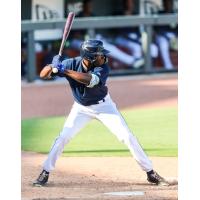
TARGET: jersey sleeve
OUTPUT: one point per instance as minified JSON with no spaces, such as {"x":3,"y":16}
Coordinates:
{"x":102,"y":73}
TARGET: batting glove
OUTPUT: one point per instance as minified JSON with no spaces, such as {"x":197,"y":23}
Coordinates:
{"x":57,"y":63}
{"x":61,"y":68}
{"x":56,"y":60}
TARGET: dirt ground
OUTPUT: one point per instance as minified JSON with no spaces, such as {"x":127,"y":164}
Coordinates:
{"x":92,"y":177}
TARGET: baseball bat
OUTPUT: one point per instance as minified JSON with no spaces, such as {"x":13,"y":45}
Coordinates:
{"x":67,"y":29}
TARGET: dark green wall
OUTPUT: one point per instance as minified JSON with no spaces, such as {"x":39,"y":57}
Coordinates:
{"x":25,"y":9}
{"x":101,"y":7}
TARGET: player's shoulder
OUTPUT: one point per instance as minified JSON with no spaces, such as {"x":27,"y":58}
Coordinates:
{"x":77,"y":59}
{"x":71,"y":61}
{"x":102,"y":69}
{"x":106,"y":67}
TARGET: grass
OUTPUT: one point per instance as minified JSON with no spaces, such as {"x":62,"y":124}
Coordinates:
{"x":156,"y":130}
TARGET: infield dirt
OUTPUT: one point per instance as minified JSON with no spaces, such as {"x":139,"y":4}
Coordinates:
{"x":91,"y":177}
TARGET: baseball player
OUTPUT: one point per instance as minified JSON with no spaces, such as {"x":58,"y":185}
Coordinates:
{"x":87,"y":77}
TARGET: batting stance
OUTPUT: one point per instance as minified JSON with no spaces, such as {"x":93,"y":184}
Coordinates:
{"x":87,"y":77}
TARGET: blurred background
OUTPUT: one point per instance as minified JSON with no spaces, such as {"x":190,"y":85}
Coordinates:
{"x":142,"y":35}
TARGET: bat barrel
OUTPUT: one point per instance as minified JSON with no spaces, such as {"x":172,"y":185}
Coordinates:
{"x":67,"y":29}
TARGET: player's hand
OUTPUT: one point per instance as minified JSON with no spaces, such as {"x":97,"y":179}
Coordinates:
{"x":56,"y":61}
{"x":61,"y":68}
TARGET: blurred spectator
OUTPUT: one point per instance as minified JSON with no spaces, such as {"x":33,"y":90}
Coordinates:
{"x":166,"y":36}
{"x":115,"y":52}
{"x":23,"y":60}
{"x":87,"y":9}
{"x":48,"y":54}
{"x":38,"y":47}
{"x":130,"y":37}
{"x":79,"y":35}
{"x":39,"y":56}
{"x":44,"y":54}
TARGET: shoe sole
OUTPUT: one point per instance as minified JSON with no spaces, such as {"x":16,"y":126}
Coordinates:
{"x":163,"y":184}
{"x":38,"y":185}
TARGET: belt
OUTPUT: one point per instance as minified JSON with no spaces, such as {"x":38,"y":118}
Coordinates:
{"x":101,"y":101}
{"x":98,"y":102}
{"x":104,"y":99}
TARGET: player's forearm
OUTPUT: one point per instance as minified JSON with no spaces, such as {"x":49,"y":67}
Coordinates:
{"x":84,"y":78}
{"x":46,"y":72}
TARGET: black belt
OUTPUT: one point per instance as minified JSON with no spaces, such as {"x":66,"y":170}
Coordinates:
{"x":101,"y":101}
{"x":98,"y":102}
{"x":94,"y":103}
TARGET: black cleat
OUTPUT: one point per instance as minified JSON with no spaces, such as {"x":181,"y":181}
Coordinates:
{"x":154,"y":177}
{"x":42,"y":179}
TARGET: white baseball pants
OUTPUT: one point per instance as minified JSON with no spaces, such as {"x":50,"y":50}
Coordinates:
{"x":108,"y":114}
{"x":164,"y":46}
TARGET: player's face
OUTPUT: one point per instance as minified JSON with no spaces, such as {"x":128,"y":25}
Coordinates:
{"x":100,"y":60}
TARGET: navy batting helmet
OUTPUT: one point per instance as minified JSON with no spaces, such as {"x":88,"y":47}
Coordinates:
{"x":92,"y":48}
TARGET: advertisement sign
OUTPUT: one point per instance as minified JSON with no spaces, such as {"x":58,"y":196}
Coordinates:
{"x":46,"y":10}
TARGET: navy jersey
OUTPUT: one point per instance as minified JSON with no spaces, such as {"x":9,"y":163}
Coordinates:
{"x":81,"y":93}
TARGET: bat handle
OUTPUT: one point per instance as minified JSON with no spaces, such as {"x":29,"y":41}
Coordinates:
{"x":61,"y":48}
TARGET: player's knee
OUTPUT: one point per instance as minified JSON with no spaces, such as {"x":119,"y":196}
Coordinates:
{"x":65,"y":136}
{"x":129,"y":138}
{"x":121,"y":139}
{"x":124,"y":136}
{"x":59,"y":141}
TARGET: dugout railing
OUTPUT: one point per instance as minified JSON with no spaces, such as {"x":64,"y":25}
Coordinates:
{"x":93,"y":23}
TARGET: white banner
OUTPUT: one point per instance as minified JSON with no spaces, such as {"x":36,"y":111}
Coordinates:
{"x":44,"y":10}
